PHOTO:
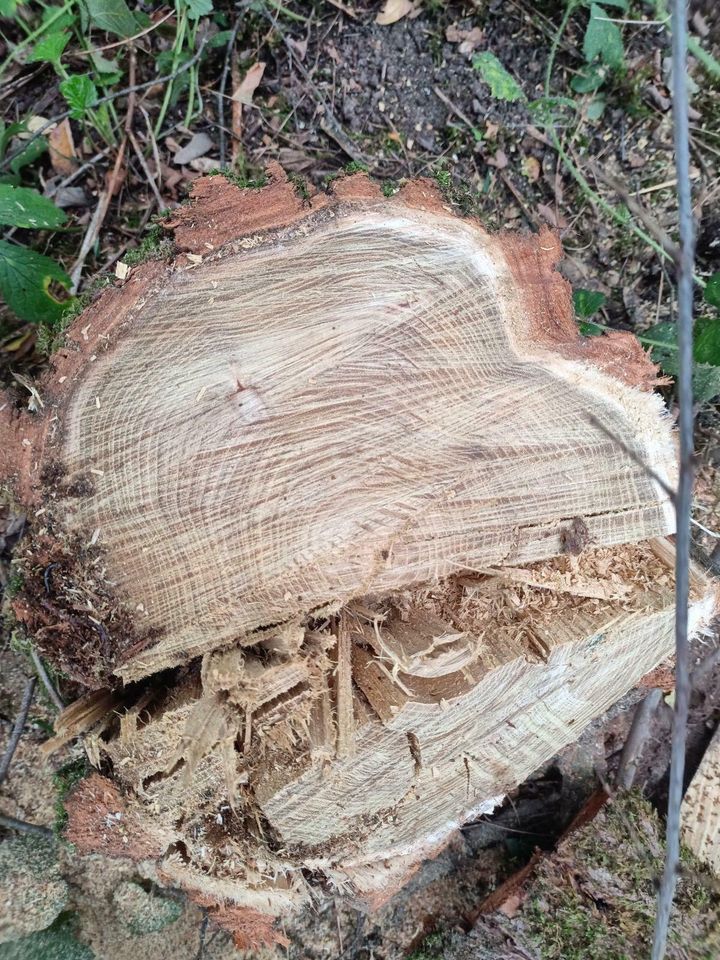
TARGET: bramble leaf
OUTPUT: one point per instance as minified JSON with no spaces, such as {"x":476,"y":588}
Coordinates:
{"x":198,"y":8}
{"x":712,"y":291}
{"x":603,"y":39}
{"x":663,"y":349}
{"x":706,"y":340}
{"x":49,"y":49}
{"x":80,"y":94}
{"x":25,"y":279}
{"x":25,"y":207}
{"x":113,"y":16}
{"x":502,"y":85}
{"x":587,"y":302}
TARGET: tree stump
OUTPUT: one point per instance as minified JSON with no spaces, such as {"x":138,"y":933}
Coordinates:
{"x":364,"y":526}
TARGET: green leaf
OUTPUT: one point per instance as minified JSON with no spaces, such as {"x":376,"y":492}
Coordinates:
{"x":706,"y":341}
{"x":589,"y":80}
{"x":198,"y":8}
{"x":8,"y":7}
{"x":502,"y":85}
{"x":589,"y":329}
{"x":603,"y":39}
{"x":712,"y":291}
{"x":25,"y":278}
{"x":49,"y":49}
{"x":596,"y":108}
{"x":610,"y":3}
{"x":80,"y":93}
{"x":587,"y":302}
{"x":29,"y":154}
{"x":107,"y":72}
{"x":548,"y":111}
{"x":113,"y":16}
{"x":663,"y":349}
{"x":25,"y":207}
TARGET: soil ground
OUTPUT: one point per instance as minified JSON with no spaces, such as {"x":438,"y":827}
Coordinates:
{"x":404,"y":100}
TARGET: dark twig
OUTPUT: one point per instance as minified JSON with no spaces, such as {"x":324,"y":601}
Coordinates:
{"x":636,"y":739}
{"x":46,"y":681}
{"x":18,"y":728}
{"x":127,"y":91}
{"x":683,"y":501}
{"x":12,"y":823}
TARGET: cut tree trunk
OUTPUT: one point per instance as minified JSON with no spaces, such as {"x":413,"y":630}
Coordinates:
{"x":369,"y":530}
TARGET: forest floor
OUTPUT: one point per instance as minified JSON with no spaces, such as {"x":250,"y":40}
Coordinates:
{"x":557,"y":135}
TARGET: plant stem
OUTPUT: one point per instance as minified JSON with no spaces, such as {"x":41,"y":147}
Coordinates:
{"x":177,"y":52}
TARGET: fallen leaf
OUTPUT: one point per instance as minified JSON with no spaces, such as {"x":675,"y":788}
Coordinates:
{"x":70,"y":197}
{"x":491,"y":130}
{"x":299,"y":46}
{"x":468,"y":39}
{"x":204,"y":164}
{"x":243,"y":93}
{"x":62,"y":149}
{"x":471,"y":41}
{"x":198,"y":146}
{"x":393,"y":11}
{"x":531,"y":168}
{"x":547,"y":213}
{"x":500,"y":160}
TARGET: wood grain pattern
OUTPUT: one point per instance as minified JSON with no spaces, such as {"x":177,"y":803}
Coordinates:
{"x":362,"y":404}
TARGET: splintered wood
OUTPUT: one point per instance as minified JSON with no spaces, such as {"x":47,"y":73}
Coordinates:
{"x":346,"y":472}
{"x":701,"y":808}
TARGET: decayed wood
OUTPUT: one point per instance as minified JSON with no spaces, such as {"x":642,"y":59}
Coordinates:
{"x":700,"y":816}
{"x":335,"y":462}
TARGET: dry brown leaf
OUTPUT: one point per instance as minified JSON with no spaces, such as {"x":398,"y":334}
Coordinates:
{"x":468,"y":39}
{"x":299,"y":46}
{"x":555,"y":220}
{"x":62,"y":149}
{"x":500,"y":160}
{"x":249,"y":83}
{"x":393,"y":11}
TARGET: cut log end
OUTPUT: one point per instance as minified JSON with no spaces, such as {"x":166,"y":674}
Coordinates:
{"x":371,"y":394}
{"x":349,"y":466}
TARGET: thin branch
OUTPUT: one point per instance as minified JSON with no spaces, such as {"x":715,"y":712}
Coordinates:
{"x":683,"y":501}
{"x":45,"y":679}
{"x":637,"y":739}
{"x":221,"y":91}
{"x":12,"y":823}
{"x":18,"y":728}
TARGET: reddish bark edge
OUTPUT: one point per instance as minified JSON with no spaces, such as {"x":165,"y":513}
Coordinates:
{"x":99,"y":822}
